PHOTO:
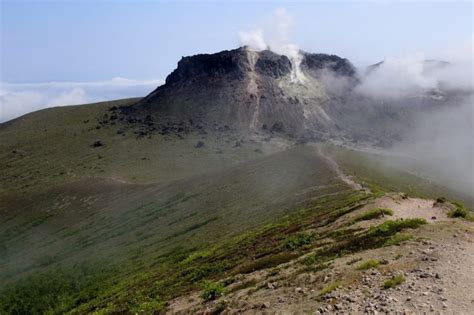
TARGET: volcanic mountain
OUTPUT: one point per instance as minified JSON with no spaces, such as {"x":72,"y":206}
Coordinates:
{"x":224,"y":190}
{"x":314,"y":97}
{"x":249,"y":91}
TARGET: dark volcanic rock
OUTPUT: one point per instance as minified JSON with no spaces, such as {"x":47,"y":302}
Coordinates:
{"x":97,"y":144}
{"x":317,"y":62}
{"x":230,"y":64}
{"x":272,"y":64}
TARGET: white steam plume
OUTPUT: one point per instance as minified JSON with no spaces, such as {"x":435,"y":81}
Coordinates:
{"x":276,"y":37}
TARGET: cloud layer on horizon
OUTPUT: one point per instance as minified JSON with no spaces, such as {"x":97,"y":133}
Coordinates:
{"x":17,"y":99}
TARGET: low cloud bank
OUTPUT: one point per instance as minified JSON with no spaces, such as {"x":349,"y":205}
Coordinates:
{"x":17,"y":99}
{"x":442,"y":143}
{"x":413,"y":74}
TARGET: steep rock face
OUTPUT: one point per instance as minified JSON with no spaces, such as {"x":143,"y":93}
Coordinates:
{"x":229,"y":64}
{"x":314,"y":63}
{"x":247,"y":90}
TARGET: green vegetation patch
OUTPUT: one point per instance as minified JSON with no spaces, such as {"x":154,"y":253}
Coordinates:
{"x":394,"y":281}
{"x":295,"y":241}
{"x":397,"y":239}
{"x":267,"y":262}
{"x":373,"y":214}
{"x":330,"y":287}
{"x":211,"y":290}
{"x":369,"y":264}
{"x":55,"y":292}
{"x":148,"y":284}
{"x":459,"y":211}
{"x":391,"y":227}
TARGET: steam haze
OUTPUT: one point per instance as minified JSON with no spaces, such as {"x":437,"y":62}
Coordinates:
{"x":441,"y":139}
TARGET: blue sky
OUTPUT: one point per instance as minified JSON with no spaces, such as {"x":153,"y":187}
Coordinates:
{"x":141,"y":41}
{"x":98,"y":40}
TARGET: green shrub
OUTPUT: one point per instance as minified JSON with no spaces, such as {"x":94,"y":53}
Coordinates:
{"x":459,"y":212}
{"x":394,"y":281}
{"x":295,"y":241}
{"x":393,"y":226}
{"x":309,"y":260}
{"x":372,"y":263}
{"x":211,"y":290}
{"x":397,"y":239}
{"x":373,"y":214}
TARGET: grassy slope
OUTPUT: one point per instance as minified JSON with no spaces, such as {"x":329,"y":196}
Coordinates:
{"x":62,"y":204}
{"x":141,"y":205}
{"x":54,"y":146}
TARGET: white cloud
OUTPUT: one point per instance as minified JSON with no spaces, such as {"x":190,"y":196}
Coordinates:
{"x":17,"y":99}
{"x":75,"y":96}
{"x":411,"y":74}
{"x":253,"y":39}
{"x":397,"y":76}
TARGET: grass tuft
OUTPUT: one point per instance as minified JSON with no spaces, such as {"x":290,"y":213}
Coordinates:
{"x":397,"y":239}
{"x":369,"y":264}
{"x":330,"y":287}
{"x":373,"y":214}
{"x":394,"y":281}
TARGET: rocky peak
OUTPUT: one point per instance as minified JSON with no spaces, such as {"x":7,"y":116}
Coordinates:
{"x":272,"y":64}
{"x":229,"y":63}
{"x":314,"y":63}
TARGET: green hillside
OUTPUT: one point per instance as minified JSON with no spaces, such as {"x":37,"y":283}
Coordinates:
{"x":130,"y":223}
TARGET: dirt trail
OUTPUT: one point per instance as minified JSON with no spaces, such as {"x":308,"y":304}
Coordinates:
{"x":333,"y":164}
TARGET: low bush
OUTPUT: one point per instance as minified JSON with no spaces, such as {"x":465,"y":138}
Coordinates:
{"x":394,"y":281}
{"x":394,"y":226}
{"x":373,"y":214}
{"x":309,"y":260}
{"x":458,"y":212}
{"x":397,"y":239}
{"x":295,"y":241}
{"x":372,"y":263}
{"x":211,"y":290}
